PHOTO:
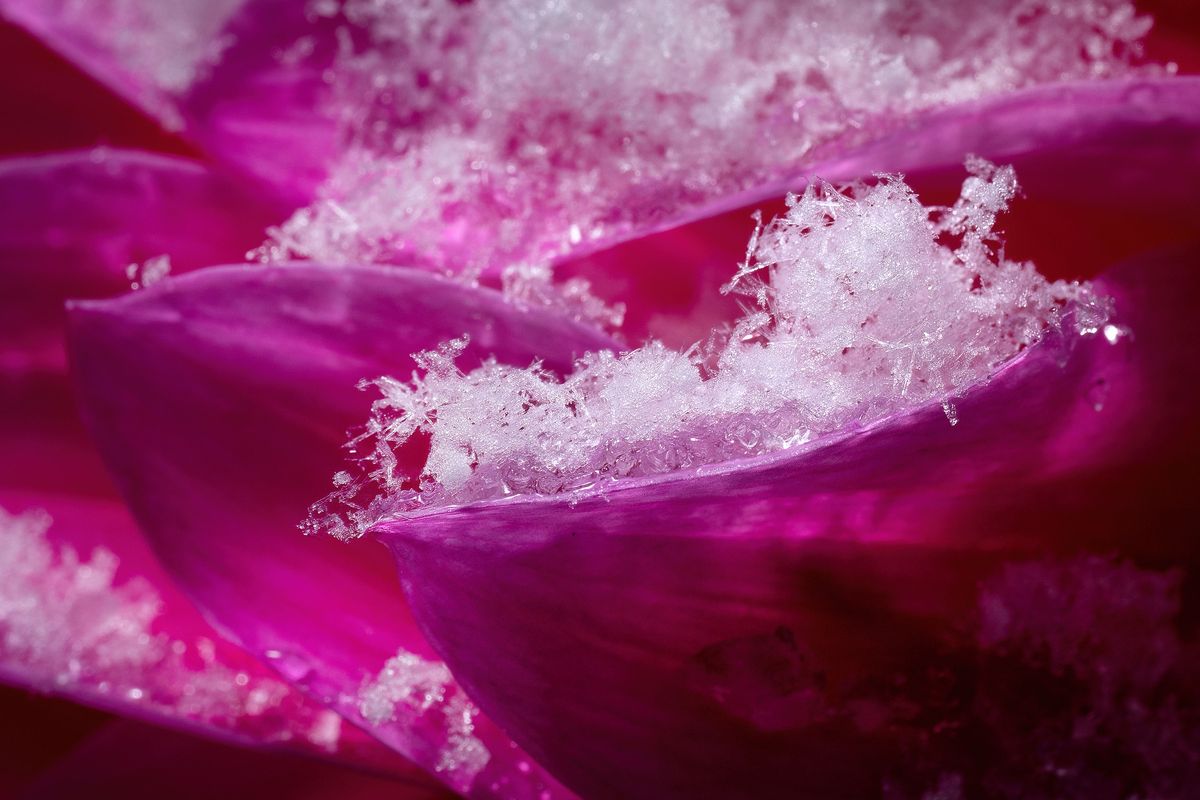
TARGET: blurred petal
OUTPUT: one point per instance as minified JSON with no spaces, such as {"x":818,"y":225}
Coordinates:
{"x":1106,"y":135}
{"x":87,"y":613}
{"x":261,"y":108}
{"x":126,"y":759}
{"x":221,"y":401}
{"x":145,"y":52}
{"x":37,"y":732}
{"x":241,"y":79}
{"x":74,"y":223}
{"x":63,"y":108}
{"x":809,"y":624}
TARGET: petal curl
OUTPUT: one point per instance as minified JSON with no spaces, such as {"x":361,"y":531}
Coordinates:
{"x":220,"y":401}
{"x":241,"y":79}
{"x":1082,"y":152}
{"x":87,"y":612}
{"x":812,"y":624}
{"x":75,"y":222}
{"x":144,"y":52}
{"x":1104,"y":136}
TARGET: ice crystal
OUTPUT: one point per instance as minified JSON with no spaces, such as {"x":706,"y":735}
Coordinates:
{"x":483,"y":134}
{"x":422,"y":693}
{"x":533,"y":286}
{"x":863,"y":303}
{"x":148,"y":273}
{"x":68,"y":625}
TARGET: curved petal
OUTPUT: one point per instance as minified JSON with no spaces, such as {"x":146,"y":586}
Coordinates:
{"x":1105,"y":135}
{"x":63,"y":108}
{"x":87,"y":613}
{"x":386,"y":107}
{"x":125,"y":759}
{"x":220,"y":401}
{"x":865,"y":613}
{"x":242,"y":79}
{"x":145,"y":52}
{"x":75,"y":223}
{"x":1082,"y":152}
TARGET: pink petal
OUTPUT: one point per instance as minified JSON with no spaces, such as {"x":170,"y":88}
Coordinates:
{"x":295,"y":93}
{"x":1082,"y":152}
{"x":214,"y":71}
{"x":145,"y":52}
{"x":74,"y":223}
{"x":828,"y":622}
{"x":260,"y":107}
{"x":221,"y":400}
{"x":1110,"y":134}
{"x":126,"y":759}
{"x":87,"y":612}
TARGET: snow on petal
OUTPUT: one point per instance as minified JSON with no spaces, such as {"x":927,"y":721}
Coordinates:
{"x":854,"y":618}
{"x":69,"y":625}
{"x":220,"y":400}
{"x":865,"y":304}
{"x":480,"y":134}
{"x":148,"y":51}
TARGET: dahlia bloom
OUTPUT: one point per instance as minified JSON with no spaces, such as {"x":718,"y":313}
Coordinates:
{"x":542,"y":400}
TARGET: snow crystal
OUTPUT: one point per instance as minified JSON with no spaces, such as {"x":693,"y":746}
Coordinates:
{"x":148,"y":273}
{"x":422,"y":693}
{"x":863,"y":303}
{"x":483,"y":134}
{"x":67,"y":625}
{"x":533,"y":286}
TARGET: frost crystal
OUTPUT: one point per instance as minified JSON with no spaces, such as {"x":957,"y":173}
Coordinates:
{"x":865,"y":303}
{"x":533,"y":286}
{"x":483,"y":134}
{"x":68,"y":626}
{"x":149,"y":272}
{"x":421,"y":694}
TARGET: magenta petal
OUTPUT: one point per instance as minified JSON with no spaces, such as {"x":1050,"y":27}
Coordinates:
{"x":260,"y":108}
{"x":218,"y":71}
{"x":1065,"y":140}
{"x":125,"y":759}
{"x":87,"y":612}
{"x":1081,"y":149}
{"x":146,"y":52}
{"x":864,"y":613}
{"x":74,"y":223}
{"x":221,"y":400}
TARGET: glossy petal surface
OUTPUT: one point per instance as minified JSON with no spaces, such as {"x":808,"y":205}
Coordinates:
{"x":88,"y":613}
{"x":221,"y":400}
{"x":74,"y":223}
{"x":824,"y":623}
{"x":1082,"y":152}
